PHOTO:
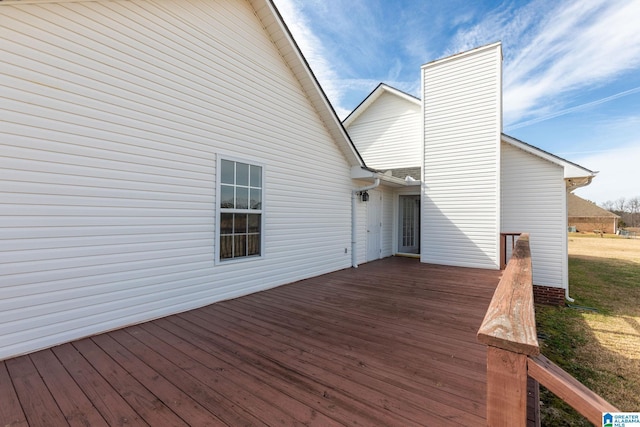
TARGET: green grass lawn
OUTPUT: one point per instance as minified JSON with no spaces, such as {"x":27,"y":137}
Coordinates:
{"x":597,"y":341}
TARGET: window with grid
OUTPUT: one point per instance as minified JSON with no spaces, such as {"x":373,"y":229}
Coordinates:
{"x":240,"y":210}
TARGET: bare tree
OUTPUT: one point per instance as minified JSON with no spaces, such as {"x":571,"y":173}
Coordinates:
{"x":620,"y":206}
{"x":608,"y":205}
{"x":633,"y":205}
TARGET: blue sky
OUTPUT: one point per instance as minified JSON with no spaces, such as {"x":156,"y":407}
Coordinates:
{"x":571,"y":70}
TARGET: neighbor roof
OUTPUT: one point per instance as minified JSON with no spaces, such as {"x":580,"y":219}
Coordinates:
{"x":579,"y":207}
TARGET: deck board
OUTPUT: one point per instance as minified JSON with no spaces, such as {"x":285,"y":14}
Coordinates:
{"x":74,"y":404}
{"x":11,"y":412}
{"x":107,"y":400}
{"x":390,"y":343}
{"x":38,"y":404}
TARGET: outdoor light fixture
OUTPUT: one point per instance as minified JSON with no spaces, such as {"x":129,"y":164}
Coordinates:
{"x":364,"y":196}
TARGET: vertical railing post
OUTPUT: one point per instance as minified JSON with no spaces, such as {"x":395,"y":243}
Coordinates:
{"x":504,"y":248}
{"x":509,"y":331}
{"x":506,"y":388}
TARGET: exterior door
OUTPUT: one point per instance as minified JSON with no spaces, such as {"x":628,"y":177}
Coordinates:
{"x":409,"y":225}
{"x":374,"y":225}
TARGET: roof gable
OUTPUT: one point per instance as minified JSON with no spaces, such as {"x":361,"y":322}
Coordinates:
{"x":579,"y":207}
{"x":371,"y":99}
{"x":571,"y":170}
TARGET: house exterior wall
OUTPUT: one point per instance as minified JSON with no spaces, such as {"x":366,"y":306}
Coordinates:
{"x":589,"y":224}
{"x":461,"y":171}
{"x":534,"y":201}
{"x":388,"y":134}
{"x":111,"y":132}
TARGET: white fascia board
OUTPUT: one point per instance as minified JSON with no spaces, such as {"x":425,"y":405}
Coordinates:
{"x":394,"y":181}
{"x":358,"y":172}
{"x":462,"y":54}
{"x":285,"y":43}
{"x":571,"y":170}
{"x":401,"y":94}
{"x":372,"y":97}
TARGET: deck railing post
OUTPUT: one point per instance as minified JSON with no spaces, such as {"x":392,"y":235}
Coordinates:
{"x":506,"y":388}
{"x":513,"y":353}
{"x":509,"y":331}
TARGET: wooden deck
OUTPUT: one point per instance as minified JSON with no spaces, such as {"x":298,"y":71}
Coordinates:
{"x":390,"y":343}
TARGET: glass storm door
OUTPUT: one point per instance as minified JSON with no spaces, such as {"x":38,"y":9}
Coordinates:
{"x":409,"y":225}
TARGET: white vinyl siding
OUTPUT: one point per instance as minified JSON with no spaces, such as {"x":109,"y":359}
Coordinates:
{"x":461,"y":184}
{"x":114,"y":114}
{"x":388,"y":134}
{"x":534,"y":201}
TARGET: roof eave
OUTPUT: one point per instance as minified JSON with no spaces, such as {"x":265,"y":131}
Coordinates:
{"x":571,"y":170}
{"x":365,"y":173}
{"x":281,"y":36}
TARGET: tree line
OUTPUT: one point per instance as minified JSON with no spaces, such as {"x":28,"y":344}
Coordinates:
{"x":627,"y":209}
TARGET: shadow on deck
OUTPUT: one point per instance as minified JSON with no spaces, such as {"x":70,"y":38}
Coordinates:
{"x":390,"y":343}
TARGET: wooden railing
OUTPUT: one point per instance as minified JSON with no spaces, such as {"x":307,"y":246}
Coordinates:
{"x":513,"y":352}
{"x":507,"y":241}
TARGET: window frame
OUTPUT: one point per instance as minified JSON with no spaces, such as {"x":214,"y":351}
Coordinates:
{"x":219,"y":210}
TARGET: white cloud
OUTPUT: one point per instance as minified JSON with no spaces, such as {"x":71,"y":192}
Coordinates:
{"x":617,"y":175}
{"x":346,"y":43}
{"x":573,"y":109}
{"x":579,"y":45}
{"x":313,"y":51}
{"x":510,"y":25}
{"x":552,"y":49}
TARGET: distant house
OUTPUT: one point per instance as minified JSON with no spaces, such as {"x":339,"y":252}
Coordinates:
{"x":589,"y":217}
{"x":161,"y":156}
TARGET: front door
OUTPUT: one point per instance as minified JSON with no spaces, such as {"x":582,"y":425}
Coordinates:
{"x":409,"y":225}
{"x":374,"y":225}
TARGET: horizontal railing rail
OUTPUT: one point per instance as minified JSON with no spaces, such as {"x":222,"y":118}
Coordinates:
{"x":567,"y":388}
{"x":513,"y":352}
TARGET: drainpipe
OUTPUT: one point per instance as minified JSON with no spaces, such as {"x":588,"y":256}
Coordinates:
{"x":567,"y":297}
{"x":354,"y":222}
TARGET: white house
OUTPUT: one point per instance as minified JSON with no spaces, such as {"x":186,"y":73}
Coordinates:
{"x":476,"y":182}
{"x":158,"y":156}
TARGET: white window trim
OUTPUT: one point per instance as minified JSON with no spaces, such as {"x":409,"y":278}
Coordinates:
{"x":218,"y":211}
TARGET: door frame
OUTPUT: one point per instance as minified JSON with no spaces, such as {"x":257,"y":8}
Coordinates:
{"x":397,"y":223}
{"x":375,"y":198}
